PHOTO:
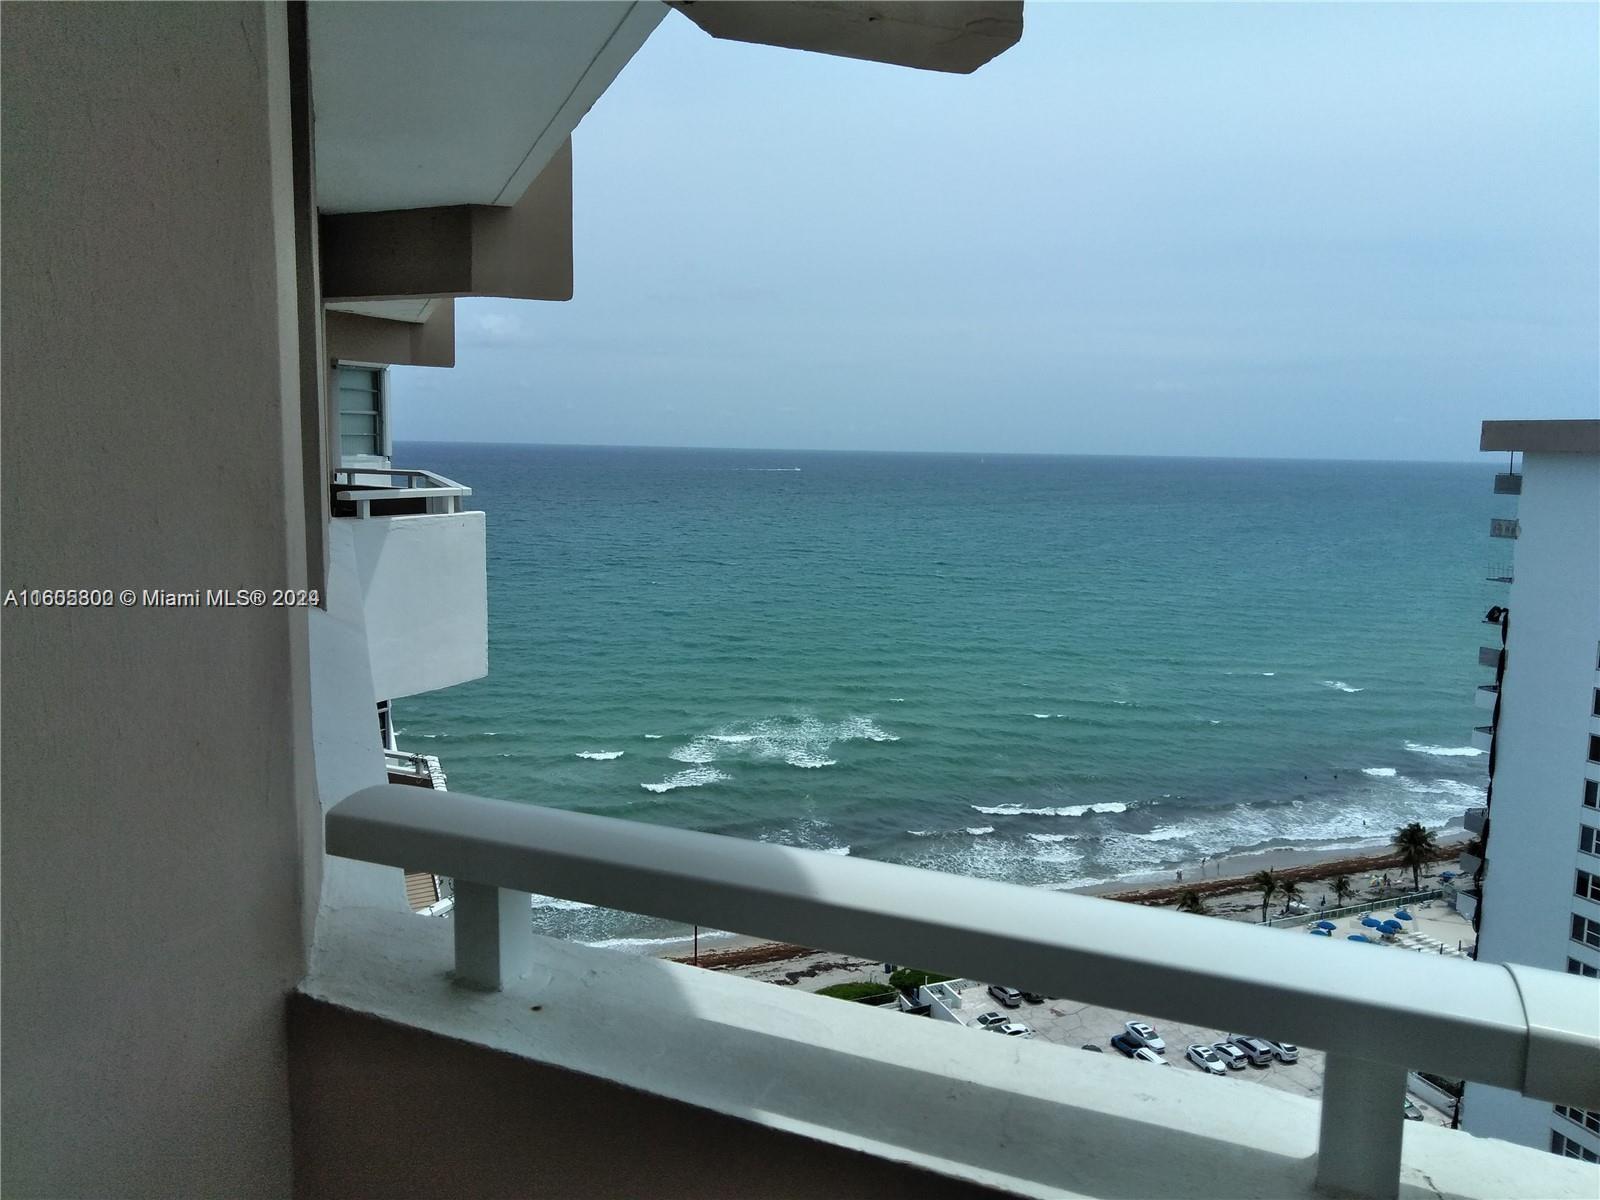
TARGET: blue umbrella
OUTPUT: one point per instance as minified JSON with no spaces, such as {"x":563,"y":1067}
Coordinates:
{"x":1320,"y":933}
{"x":1392,"y":927}
{"x":1325,"y":925}
{"x":1403,"y":915}
{"x":1370,"y":921}
{"x":1358,"y":937}
{"x":1447,"y":876}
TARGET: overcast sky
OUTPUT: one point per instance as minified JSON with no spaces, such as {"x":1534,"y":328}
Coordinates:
{"x":1331,"y":231}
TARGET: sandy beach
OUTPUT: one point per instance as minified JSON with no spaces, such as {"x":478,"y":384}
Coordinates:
{"x":1228,"y":895}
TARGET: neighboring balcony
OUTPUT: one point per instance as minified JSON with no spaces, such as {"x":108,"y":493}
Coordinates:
{"x":1489,"y":656}
{"x":1504,"y":527}
{"x":1508,"y":483}
{"x":1470,"y":863}
{"x":1467,"y":904}
{"x":1474,"y":819}
{"x":420,"y":562}
{"x":1487,"y":695}
{"x":1483,"y":737}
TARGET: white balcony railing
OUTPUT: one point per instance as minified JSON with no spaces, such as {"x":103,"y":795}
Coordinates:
{"x":1474,"y":820}
{"x":1377,"y":1014}
{"x":360,"y":488}
{"x":1483,"y":737}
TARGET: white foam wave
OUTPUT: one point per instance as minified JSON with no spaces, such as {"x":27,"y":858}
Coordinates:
{"x":1042,"y":716}
{"x":600,"y":755}
{"x":1047,"y":837}
{"x":1444,"y":751}
{"x":1268,"y":674}
{"x":1456,"y":789}
{"x":920,"y":832}
{"x":842,"y":850}
{"x":979,"y":830}
{"x":897,"y":699}
{"x":653,"y":737}
{"x":1339,"y":685}
{"x":557,"y":903}
{"x":810,"y":761}
{"x":1067,"y":810}
{"x":639,"y":943}
{"x":1379,"y":772}
{"x":803,"y":741}
{"x":693,"y":777}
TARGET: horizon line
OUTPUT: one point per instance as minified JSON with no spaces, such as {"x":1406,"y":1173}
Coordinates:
{"x":945,"y":453}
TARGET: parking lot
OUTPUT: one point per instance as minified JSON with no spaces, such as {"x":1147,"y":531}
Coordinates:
{"x":1067,"y":1023}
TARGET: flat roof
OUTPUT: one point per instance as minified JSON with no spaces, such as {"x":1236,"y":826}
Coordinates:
{"x":1542,"y":437}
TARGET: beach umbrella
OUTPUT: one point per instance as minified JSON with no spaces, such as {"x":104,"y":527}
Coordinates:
{"x":1326,"y":925}
{"x":1447,"y":876}
{"x":1403,"y":915}
{"x":1358,"y":937}
{"x":1370,"y":921}
{"x":1320,"y":932}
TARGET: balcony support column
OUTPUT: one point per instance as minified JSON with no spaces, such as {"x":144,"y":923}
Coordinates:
{"x":1358,"y":1151}
{"x":494,"y":935}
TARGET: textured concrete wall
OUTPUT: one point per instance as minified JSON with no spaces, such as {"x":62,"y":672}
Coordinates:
{"x":157,"y":794}
{"x":385,"y":1110}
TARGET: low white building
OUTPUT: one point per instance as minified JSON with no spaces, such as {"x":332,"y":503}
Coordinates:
{"x":1537,"y":893}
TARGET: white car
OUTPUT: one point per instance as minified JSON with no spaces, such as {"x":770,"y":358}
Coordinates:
{"x":1145,"y":1036}
{"x":989,"y":1020}
{"x":1145,"y":1054}
{"x":1012,"y":1029}
{"x":1232,"y":1057}
{"x":1287,"y":1052}
{"x":1206,"y":1059}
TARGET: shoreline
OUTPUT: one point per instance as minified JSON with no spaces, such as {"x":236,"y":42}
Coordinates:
{"x":742,"y":952}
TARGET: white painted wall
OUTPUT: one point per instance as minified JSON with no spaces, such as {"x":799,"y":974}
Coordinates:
{"x":1541,"y":752}
{"x":424,"y":589}
{"x":157,"y":781}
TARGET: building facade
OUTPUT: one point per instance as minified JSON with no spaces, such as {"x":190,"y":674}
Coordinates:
{"x":1537,"y":869}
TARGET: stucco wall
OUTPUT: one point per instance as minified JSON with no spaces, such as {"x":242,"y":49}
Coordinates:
{"x":386,"y":1110}
{"x":157,"y":790}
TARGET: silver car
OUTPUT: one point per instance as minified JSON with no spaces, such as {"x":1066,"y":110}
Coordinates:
{"x":1232,"y":1057}
{"x":1206,"y":1059}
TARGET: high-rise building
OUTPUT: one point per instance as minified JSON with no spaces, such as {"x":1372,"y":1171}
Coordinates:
{"x":1535,"y":892}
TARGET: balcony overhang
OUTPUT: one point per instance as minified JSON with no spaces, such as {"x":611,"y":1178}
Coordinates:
{"x":1541,"y":437}
{"x":953,"y":37}
{"x":407,"y":333}
{"x":521,"y":252}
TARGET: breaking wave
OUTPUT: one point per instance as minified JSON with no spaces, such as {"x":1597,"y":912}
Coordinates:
{"x":599,"y":755}
{"x":693,"y":777}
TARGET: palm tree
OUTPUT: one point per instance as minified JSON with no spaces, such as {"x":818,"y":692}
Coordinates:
{"x":1189,"y":901}
{"x":1416,"y":846}
{"x":1266,"y":882}
{"x":1343,"y":889}
{"x":1290,"y":891}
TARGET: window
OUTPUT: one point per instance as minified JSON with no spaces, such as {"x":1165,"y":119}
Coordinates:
{"x":361,"y":412}
{"x":1567,"y":1148}
{"x":1586,"y":1117}
{"x":1574,"y":967}
{"x":1586,"y":931}
{"x":1587,"y":886}
{"x":1588,"y":839}
{"x":1594,"y":748}
{"x":1597,"y":702}
{"x":1591,"y":793}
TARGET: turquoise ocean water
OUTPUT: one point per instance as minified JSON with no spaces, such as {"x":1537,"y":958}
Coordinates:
{"x":1050,"y":670}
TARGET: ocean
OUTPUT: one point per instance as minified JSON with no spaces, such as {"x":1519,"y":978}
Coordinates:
{"x":1055,"y":671}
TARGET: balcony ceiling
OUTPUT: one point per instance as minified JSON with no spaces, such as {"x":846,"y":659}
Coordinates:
{"x":421,"y":105}
{"x":412,"y":311}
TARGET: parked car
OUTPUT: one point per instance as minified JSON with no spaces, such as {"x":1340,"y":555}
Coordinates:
{"x":1012,"y":1029}
{"x":1232,"y":1057}
{"x":1286,"y":1052}
{"x":1091,"y":1046}
{"x":1008,"y":996}
{"x":1206,"y":1059}
{"x":1255,"y":1049}
{"x":1145,"y":1054}
{"x":989,"y":1019}
{"x":1033,"y":997}
{"x":1413,"y":1113}
{"x":1125,"y":1043}
{"x":1146,"y":1036}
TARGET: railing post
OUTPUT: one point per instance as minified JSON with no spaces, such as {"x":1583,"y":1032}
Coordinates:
{"x":1358,"y":1151}
{"x":494,"y":935}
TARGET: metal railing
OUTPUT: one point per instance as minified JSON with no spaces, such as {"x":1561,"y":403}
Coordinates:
{"x":1504,"y":527}
{"x":1508,"y":483}
{"x":1402,"y":900}
{"x":1377,"y":1015}
{"x":362,"y":488}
